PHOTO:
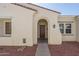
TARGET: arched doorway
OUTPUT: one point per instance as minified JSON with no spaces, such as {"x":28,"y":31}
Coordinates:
{"x":42,"y":31}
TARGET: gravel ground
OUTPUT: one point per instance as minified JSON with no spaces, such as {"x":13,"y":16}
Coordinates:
{"x":66,"y":49}
{"x":17,"y":51}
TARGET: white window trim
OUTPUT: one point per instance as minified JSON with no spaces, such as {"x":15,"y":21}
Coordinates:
{"x":65,"y":29}
{"x":64,"y":33}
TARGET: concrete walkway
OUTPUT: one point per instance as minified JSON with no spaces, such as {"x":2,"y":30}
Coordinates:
{"x":42,"y":50}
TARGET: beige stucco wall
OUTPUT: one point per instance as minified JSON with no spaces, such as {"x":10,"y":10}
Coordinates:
{"x":69,"y":20}
{"x":77,"y":28}
{"x":21,"y":25}
{"x":1,"y":28}
{"x":24,"y":25}
{"x":54,"y":35}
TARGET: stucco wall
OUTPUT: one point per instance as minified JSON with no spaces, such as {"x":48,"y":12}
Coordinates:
{"x":54,"y":35}
{"x":1,"y":28}
{"x":77,"y":28}
{"x":69,"y":20}
{"x":21,"y":25}
{"x":24,"y":25}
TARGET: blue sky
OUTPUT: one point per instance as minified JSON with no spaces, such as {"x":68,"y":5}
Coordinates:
{"x":64,"y":8}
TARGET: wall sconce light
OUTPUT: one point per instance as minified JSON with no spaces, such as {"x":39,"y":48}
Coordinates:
{"x":54,"y":26}
{"x":24,"y":40}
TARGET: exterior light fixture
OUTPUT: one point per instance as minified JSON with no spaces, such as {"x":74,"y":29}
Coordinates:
{"x":54,"y":26}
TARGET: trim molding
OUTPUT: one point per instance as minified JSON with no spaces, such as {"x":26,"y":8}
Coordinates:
{"x":24,"y":6}
{"x":44,"y":8}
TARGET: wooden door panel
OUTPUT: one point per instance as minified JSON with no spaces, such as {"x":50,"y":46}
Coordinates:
{"x":42,"y":31}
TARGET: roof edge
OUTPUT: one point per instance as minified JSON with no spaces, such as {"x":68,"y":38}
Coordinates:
{"x":24,"y":6}
{"x":44,"y":8}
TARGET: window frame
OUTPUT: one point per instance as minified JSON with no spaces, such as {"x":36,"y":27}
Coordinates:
{"x":67,"y":28}
{"x":64,"y":33}
{"x":61,"y":28}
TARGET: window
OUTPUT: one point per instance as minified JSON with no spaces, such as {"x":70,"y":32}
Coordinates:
{"x":65,"y":28}
{"x":61,"y":28}
{"x":68,"y":28}
{"x":7,"y":27}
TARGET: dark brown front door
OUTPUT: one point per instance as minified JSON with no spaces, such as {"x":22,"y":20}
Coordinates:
{"x":42,"y":31}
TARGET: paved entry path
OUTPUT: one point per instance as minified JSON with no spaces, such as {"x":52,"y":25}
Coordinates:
{"x":42,"y":50}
